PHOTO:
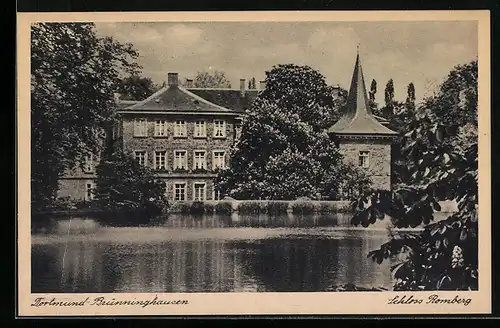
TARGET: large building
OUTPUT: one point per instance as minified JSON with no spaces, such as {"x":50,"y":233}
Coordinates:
{"x":363,"y":139}
{"x":185,"y":134}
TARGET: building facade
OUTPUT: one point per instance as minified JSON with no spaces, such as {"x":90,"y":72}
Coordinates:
{"x":185,"y":134}
{"x":182,"y":133}
{"x":364,"y":139}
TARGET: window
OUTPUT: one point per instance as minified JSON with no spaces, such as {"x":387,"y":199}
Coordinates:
{"x":160,"y":128}
{"x":180,"y":159}
{"x":200,"y":130}
{"x":219,"y":129}
{"x":219,"y":160}
{"x":88,"y":165}
{"x":180,"y":129}
{"x":140,"y":157}
{"x":160,"y":160}
{"x":89,"y":195}
{"x":199,"y":191}
{"x":217,"y":194}
{"x":140,"y":128}
{"x":199,"y":160}
{"x":180,"y":191}
{"x":364,"y":159}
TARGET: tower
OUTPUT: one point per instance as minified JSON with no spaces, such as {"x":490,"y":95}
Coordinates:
{"x":362,"y":139}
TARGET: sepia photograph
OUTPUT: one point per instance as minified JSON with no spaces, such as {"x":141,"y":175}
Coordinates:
{"x":258,"y":157}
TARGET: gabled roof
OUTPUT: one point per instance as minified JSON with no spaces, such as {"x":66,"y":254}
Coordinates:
{"x":176,"y":99}
{"x":228,"y":98}
{"x":358,"y":118}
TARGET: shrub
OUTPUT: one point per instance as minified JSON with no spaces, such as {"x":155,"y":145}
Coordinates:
{"x":277,"y":207}
{"x":209,"y":208}
{"x":180,"y":207}
{"x":197,"y":207}
{"x":303,"y":208}
{"x":249,"y":208}
{"x":223,"y":208}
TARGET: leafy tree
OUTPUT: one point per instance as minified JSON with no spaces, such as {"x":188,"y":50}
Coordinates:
{"x":215,"y":79}
{"x":123,"y":185}
{"x":388,"y":110}
{"x":136,"y":87}
{"x":373,"y":90}
{"x":74,"y":75}
{"x":283,"y":151}
{"x":442,"y":151}
{"x":410,"y":98}
{"x":372,"y":95}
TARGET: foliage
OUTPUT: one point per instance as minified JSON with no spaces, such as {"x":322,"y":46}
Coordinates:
{"x":223,"y":208}
{"x":442,"y":151}
{"x":389,"y":99}
{"x":283,"y":152}
{"x":250,"y":208}
{"x":124,"y":185}
{"x":277,"y":207}
{"x":74,"y":74}
{"x":136,"y":87}
{"x":213,"y":79}
{"x":304,"y":207}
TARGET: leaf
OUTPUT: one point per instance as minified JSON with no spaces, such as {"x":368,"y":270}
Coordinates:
{"x":426,"y":172}
{"x":441,"y":281}
{"x":463,"y":234}
{"x":434,"y":230}
{"x":443,"y":229}
{"x":437,"y":244}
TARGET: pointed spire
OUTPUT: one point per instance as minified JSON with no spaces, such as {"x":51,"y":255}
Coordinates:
{"x":357,"y":100}
{"x":358,"y":118}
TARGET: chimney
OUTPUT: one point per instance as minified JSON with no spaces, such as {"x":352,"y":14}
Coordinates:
{"x":262,"y":85}
{"x":242,"y":87}
{"x":189,"y":83}
{"x":173,"y":79}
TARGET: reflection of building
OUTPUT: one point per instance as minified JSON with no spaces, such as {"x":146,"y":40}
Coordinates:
{"x":364,"y":141}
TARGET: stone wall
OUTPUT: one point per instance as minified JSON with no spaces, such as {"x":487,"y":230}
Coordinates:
{"x":169,"y":143}
{"x":380,"y":159}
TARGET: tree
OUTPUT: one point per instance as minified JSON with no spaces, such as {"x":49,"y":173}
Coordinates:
{"x":215,"y":79}
{"x":388,"y":110}
{"x":283,"y":151}
{"x":442,"y":151}
{"x":123,"y":185}
{"x":371,"y":101}
{"x":410,"y":98}
{"x":136,"y":87}
{"x":74,"y":75}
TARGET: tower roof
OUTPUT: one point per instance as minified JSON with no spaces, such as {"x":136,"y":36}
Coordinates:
{"x":358,"y":118}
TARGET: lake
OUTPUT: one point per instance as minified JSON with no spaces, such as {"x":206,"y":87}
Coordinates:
{"x":236,"y":253}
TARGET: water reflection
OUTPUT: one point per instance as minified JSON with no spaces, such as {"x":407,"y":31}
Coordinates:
{"x":193,"y":254}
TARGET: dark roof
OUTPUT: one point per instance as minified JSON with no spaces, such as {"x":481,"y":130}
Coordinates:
{"x":358,"y":118}
{"x":176,"y":99}
{"x":126,"y":103}
{"x":228,"y":98}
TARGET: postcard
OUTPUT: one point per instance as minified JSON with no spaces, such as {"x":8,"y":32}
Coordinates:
{"x":253,"y":163}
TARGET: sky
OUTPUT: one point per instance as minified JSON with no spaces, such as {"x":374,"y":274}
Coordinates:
{"x":418,"y":52}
